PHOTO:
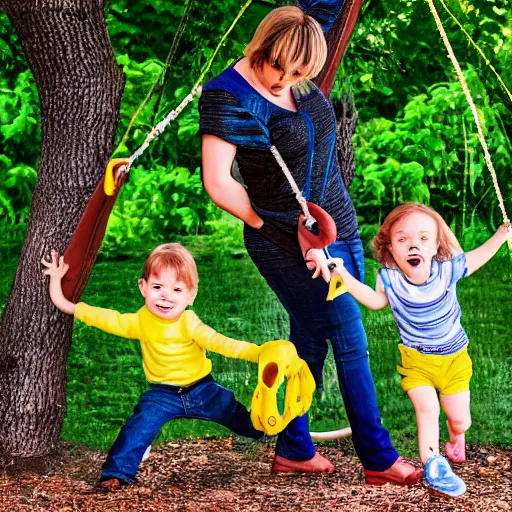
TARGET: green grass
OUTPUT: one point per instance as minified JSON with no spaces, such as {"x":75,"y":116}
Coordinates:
{"x":105,"y":376}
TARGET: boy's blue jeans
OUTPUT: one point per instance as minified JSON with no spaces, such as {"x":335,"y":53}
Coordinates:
{"x":205,"y":400}
{"x":313,"y":321}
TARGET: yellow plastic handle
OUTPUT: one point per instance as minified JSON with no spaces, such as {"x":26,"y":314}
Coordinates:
{"x":337,"y":286}
{"x":279,"y":360}
{"x":110,"y":181}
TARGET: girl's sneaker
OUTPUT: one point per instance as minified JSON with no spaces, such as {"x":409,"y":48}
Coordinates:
{"x":440,"y":477}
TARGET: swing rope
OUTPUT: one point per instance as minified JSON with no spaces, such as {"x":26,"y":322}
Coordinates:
{"x":196,"y":90}
{"x":161,"y":80}
{"x":472,"y":106}
{"x":478,"y":49}
{"x":298,"y":194}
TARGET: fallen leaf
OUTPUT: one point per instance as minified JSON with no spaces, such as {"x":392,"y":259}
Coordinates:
{"x":486,"y":471}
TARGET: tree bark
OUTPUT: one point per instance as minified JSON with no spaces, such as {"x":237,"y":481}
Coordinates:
{"x":80,"y":86}
{"x":346,"y":122}
{"x":346,"y":115}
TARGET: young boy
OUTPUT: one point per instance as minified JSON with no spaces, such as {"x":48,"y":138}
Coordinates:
{"x":174,"y":343}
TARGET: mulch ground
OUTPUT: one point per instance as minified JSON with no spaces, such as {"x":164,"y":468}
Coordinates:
{"x":229,"y":475}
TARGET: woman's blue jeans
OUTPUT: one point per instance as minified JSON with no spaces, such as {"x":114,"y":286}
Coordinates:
{"x":205,"y":400}
{"x":313,"y":321}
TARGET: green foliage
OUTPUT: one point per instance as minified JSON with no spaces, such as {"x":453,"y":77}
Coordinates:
{"x":19,"y":143}
{"x":156,"y":205}
{"x":424,"y":155}
{"x":410,"y":142}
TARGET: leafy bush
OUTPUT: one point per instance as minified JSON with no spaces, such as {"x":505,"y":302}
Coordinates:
{"x":410,"y":142}
{"x":19,"y":142}
{"x":431,"y":154}
{"x":155,"y":205}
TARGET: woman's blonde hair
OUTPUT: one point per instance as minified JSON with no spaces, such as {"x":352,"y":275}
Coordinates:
{"x":448,"y":245}
{"x":175,"y":257}
{"x":291,"y":39}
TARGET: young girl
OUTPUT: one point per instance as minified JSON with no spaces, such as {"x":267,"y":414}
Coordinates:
{"x":422,"y":262}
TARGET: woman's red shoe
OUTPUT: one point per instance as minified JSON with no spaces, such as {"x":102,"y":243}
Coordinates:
{"x":400,"y":473}
{"x":317,"y":464}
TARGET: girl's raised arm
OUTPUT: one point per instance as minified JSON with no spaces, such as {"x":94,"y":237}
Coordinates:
{"x":372,"y":299}
{"x":481,"y":255}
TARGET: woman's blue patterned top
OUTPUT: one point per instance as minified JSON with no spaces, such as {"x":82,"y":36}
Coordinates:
{"x":231,"y":109}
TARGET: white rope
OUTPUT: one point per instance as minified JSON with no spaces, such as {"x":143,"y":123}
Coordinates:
{"x":298,"y":194}
{"x":332,"y":435}
{"x":467,"y":93}
{"x":161,"y":126}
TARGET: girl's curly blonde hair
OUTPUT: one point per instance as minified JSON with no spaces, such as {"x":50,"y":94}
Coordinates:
{"x":448,"y":245}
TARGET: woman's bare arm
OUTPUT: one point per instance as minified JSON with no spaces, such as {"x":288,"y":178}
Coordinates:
{"x":225,"y":192}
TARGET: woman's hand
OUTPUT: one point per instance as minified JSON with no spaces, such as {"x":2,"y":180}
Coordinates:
{"x":315,"y":259}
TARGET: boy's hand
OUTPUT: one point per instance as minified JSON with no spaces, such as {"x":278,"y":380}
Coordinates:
{"x":56,"y":267}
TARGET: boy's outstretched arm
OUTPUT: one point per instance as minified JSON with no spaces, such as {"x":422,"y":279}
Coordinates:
{"x":214,"y":341}
{"x":56,"y":269}
{"x":372,"y":299}
{"x":481,"y":255}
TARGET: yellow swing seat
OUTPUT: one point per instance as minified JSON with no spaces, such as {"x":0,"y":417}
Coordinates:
{"x":279,"y":360}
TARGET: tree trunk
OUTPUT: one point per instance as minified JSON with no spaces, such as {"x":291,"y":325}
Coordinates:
{"x":346,"y":115}
{"x":346,"y":122}
{"x":80,"y":86}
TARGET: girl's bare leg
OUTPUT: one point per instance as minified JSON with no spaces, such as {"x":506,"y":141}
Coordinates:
{"x":426,"y":406}
{"x":457,"y":410}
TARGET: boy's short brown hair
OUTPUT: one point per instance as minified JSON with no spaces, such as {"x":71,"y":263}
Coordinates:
{"x":177,"y":258}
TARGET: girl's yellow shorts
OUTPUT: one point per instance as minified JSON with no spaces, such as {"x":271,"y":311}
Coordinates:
{"x":447,"y":374}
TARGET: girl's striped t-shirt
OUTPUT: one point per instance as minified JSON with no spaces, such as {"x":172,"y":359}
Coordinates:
{"x":428,"y":315}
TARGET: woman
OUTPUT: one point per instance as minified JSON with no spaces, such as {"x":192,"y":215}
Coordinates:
{"x":266,"y":99}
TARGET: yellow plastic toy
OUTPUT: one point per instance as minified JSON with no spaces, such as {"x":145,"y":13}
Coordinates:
{"x":279,"y":360}
{"x":112,"y":173}
{"x":337,"y":286}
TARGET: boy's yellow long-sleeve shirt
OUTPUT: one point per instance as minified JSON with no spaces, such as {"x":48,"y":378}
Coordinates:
{"x":173,"y":351}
